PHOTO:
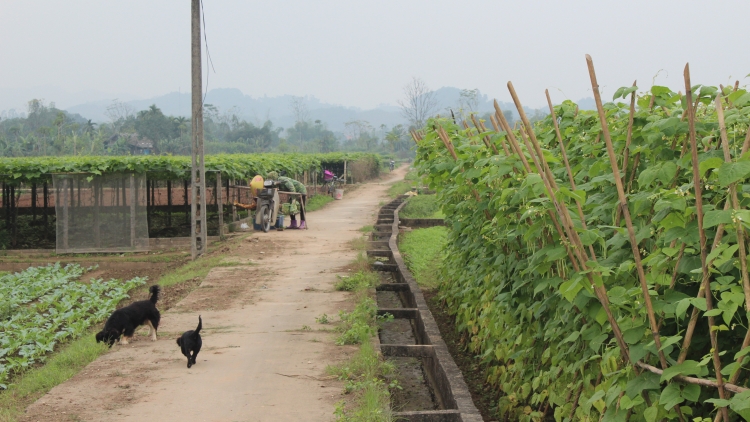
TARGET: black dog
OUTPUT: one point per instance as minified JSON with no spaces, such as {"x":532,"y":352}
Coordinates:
{"x":191,"y":342}
{"x":124,"y":321}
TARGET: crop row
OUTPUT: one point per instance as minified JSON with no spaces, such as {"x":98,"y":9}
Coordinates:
{"x":233,"y":166}
{"x":585,"y":310}
{"x":43,"y":306}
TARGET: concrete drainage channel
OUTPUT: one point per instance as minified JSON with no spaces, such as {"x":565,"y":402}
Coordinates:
{"x":433,"y":387}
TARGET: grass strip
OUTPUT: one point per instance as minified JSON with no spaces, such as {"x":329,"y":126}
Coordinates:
{"x":365,"y":373}
{"x":421,"y":206}
{"x":317,"y":202}
{"x":422,"y":252}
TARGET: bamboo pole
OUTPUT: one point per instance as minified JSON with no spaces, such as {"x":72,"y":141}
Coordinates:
{"x":579,"y":249}
{"x":626,"y":151}
{"x":702,"y":233}
{"x":698,"y":381}
{"x":493,"y":120}
{"x":626,"y":213}
{"x":567,"y":164}
{"x":447,"y":142}
{"x":517,"y":150}
{"x":735,"y":204}
{"x":485,"y":138}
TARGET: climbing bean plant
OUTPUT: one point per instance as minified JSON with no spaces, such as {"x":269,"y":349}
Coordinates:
{"x":537,"y":322}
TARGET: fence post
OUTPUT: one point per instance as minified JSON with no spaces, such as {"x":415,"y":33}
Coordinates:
{"x":132,"y":210}
{"x":65,"y":201}
{"x":345,"y":172}
{"x":234,"y":198}
{"x":220,"y":204}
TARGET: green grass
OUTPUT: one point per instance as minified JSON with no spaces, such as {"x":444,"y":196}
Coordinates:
{"x":399,"y":188}
{"x":422,"y":250}
{"x":421,"y":206}
{"x":364,"y":380}
{"x":27,"y":388}
{"x":365,"y":372}
{"x":411,"y":180}
{"x":359,"y":280}
{"x":317,"y":202}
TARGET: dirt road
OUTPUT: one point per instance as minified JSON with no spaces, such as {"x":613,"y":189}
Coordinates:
{"x":264,"y":357}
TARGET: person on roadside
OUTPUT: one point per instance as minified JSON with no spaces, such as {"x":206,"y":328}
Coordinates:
{"x":290,"y":185}
{"x":392,"y":164}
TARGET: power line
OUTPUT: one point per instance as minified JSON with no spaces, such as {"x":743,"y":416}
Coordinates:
{"x":208,"y":53}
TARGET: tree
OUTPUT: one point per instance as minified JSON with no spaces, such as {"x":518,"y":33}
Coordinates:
{"x":394,"y":137}
{"x":468,"y":100}
{"x":419,"y":102}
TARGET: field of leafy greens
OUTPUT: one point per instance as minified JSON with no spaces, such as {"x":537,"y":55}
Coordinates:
{"x":167,"y":167}
{"x":572,"y":314}
{"x":43,"y":306}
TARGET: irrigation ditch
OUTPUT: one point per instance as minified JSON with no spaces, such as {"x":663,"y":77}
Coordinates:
{"x":433,"y":386}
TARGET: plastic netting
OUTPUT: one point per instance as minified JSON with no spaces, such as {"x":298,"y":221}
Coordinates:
{"x":100,"y":213}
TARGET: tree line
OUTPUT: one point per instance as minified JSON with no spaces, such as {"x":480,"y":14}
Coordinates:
{"x":46,"y":130}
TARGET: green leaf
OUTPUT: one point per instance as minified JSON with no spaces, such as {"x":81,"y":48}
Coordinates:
{"x":645,"y":381}
{"x":691,"y":392}
{"x":667,"y":172}
{"x":668,"y":341}
{"x":651,"y":413}
{"x":742,"y":353}
{"x":714,"y":218}
{"x":689,"y":367}
{"x":670,"y":396}
{"x":710,"y":163}
{"x":699,"y":302}
{"x":713,"y":312}
{"x":681,"y":308}
{"x":732,"y":172}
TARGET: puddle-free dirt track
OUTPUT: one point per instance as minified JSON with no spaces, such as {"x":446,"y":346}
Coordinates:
{"x":257,"y":361}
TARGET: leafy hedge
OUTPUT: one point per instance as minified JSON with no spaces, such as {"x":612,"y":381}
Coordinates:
{"x":537,"y":324}
{"x":166,"y":167}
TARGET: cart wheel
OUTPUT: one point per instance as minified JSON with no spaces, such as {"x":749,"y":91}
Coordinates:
{"x":265,"y":218}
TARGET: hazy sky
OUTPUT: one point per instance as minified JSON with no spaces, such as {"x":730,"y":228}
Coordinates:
{"x":362,"y":53}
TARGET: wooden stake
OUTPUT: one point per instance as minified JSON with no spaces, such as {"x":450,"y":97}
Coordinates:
{"x":699,"y":211}
{"x":735,"y":204}
{"x":493,"y":120}
{"x":567,"y":164}
{"x":628,"y":139}
{"x":579,"y":250}
{"x":626,"y":213}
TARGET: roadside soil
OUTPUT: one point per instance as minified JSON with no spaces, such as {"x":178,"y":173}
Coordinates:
{"x":264,"y":357}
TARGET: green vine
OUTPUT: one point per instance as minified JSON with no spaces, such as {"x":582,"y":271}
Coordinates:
{"x":536,"y":322}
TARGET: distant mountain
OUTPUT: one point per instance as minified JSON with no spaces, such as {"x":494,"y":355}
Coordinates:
{"x":255,"y":109}
{"x":259,"y":109}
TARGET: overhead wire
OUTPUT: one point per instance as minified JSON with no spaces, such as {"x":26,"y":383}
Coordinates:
{"x":208,"y":53}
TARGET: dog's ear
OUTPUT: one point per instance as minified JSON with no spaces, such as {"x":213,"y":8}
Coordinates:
{"x":179,"y":341}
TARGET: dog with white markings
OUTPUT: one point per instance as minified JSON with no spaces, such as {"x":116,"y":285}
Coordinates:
{"x":124,"y":321}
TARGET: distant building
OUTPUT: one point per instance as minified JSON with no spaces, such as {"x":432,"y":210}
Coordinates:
{"x":136,"y":145}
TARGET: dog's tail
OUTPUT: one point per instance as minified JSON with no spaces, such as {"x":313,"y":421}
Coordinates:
{"x":200,"y":325}
{"x":154,"y":290}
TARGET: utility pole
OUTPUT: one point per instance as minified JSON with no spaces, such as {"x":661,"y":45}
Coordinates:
{"x":198,"y":227}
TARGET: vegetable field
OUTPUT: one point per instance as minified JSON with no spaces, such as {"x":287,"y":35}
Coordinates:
{"x":597,"y":260}
{"x":43,"y":306}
